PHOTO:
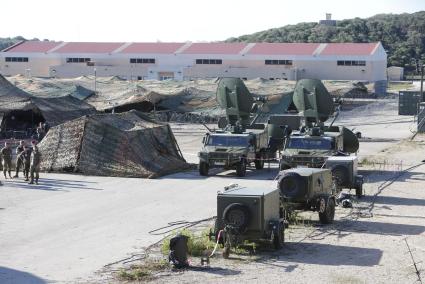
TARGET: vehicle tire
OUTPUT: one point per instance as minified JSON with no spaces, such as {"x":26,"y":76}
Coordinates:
{"x":292,"y":185}
{"x":259,"y":161}
{"x":203,"y":168}
{"x":241,"y":169}
{"x":237,"y":215}
{"x":340,"y":174}
{"x":359,"y":190}
{"x":328,"y":215}
{"x":279,"y":237}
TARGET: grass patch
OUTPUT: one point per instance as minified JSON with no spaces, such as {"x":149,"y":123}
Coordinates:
{"x":197,"y":244}
{"x":143,"y":272}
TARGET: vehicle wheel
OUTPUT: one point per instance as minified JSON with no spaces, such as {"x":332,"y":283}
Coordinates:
{"x":279,"y":237}
{"x":203,"y":168}
{"x":237,"y":215}
{"x":241,"y":169}
{"x":340,"y":174}
{"x":326,"y":210}
{"x":259,"y":162}
{"x":359,"y":190}
{"x":292,"y":185}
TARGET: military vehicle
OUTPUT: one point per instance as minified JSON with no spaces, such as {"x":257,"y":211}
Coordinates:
{"x":308,"y":189}
{"x":314,"y":142}
{"x":248,"y":214}
{"x":240,"y":141}
{"x":344,"y":170}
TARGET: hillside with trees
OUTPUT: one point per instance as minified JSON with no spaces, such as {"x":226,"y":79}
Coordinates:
{"x":403,"y":35}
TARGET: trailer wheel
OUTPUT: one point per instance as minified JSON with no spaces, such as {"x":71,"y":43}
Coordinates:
{"x":236,"y":215}
{"x":292,"y":185}
{"x":241,"y":168}
{"x":203,"y":168}
{"x":359,"y":190}
{"x":340,"y":174}
{"x":259,"y":161}
{"x":326,"y":210}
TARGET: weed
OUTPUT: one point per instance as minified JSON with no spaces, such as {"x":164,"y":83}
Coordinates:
{"x":142,"y":272}
{"x":196,"y":244}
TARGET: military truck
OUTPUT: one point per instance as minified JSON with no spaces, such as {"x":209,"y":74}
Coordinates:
{"x":233,"y":151}
{"x":315,"y":142}
{"x":240,"y":141}
{"x":308,"y":189}
{"x":248,"y":214}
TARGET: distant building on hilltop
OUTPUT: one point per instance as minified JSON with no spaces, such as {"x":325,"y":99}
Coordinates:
{"x":187,"y":60}
{"x":328,"y":21}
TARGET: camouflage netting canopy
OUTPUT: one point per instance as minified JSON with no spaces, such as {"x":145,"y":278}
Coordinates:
{"x":20,"y":106}
{"x":127,"y":144}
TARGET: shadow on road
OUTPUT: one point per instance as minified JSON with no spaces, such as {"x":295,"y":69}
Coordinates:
{"x":215,"y":270}
{"x":51,"y":185}
{"x":394,"y":200}
{"x":12,"y":276}
{"x":380,"y":175}
{"x":326,"y":254}
{"x":251,"y":174}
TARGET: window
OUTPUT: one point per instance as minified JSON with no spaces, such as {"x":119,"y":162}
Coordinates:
{"x":143,"y":60}
{"x":209,"y":61}
{"x":16,"y":59}
{"x":278,"y":62}
{"x":351,"y":63}
{"x":77,"y":60}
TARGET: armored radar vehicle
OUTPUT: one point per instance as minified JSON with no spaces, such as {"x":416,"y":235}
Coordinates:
{"x":240,"y":141}
{"x":308,"y":189}
{"x":314,"y":142}
{"x":248,"y":214}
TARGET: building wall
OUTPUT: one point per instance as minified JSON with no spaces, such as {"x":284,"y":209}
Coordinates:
{"x":183,"y":66}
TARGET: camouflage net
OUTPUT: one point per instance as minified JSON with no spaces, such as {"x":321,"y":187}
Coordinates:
{"x":126,"y":145}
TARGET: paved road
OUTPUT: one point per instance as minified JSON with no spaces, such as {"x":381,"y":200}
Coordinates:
{"x":70,"y":225}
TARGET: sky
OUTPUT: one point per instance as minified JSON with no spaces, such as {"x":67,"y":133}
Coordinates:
{"x":175,"y":20}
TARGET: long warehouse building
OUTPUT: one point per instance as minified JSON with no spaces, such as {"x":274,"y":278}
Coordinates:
{"x":185,"y":61}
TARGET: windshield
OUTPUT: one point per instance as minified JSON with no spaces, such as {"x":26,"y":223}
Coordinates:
{"x":228,"y":141}
{"x":324,"y":143}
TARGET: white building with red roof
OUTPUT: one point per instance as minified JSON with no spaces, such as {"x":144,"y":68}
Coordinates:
{"x":186,"y":60}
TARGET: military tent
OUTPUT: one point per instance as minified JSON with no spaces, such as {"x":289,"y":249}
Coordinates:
{"x":127,"y":144}
{"x":20,"y":110}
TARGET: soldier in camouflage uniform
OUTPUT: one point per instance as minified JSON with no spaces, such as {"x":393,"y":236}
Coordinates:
{"x":19,"y":161}
{"x":25,"y":157}
{"x":35,"y":163}
{"x":6,"y":154}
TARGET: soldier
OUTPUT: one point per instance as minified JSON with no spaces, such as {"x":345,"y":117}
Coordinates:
{"x":6,"y":154}
{"x":19,"y":161}
{"x":25,"y":157}
{"x":35,"y":163}
{"x":40,"y":131}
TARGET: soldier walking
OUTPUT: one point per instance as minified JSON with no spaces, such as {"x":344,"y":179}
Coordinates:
{"x":25,"y":157}
{"x":19,"y":160}
{"x":35,"y":163}
{"x":6,"y":154}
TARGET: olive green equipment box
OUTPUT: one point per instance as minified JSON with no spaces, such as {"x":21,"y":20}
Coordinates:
{"x":248,"y":214}
{"x":308,"y":189}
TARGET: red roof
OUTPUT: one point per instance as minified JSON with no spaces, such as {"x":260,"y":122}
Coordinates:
{"x":283,"y":48}
{"x":152,"y":47}
{"x":33,"y":46}
{"x":349,"y":49}
{"x":214,"y":48}
{"x":89,"y":47}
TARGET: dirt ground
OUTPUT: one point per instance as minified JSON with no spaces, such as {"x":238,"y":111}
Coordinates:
{"x":70,"y":227}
